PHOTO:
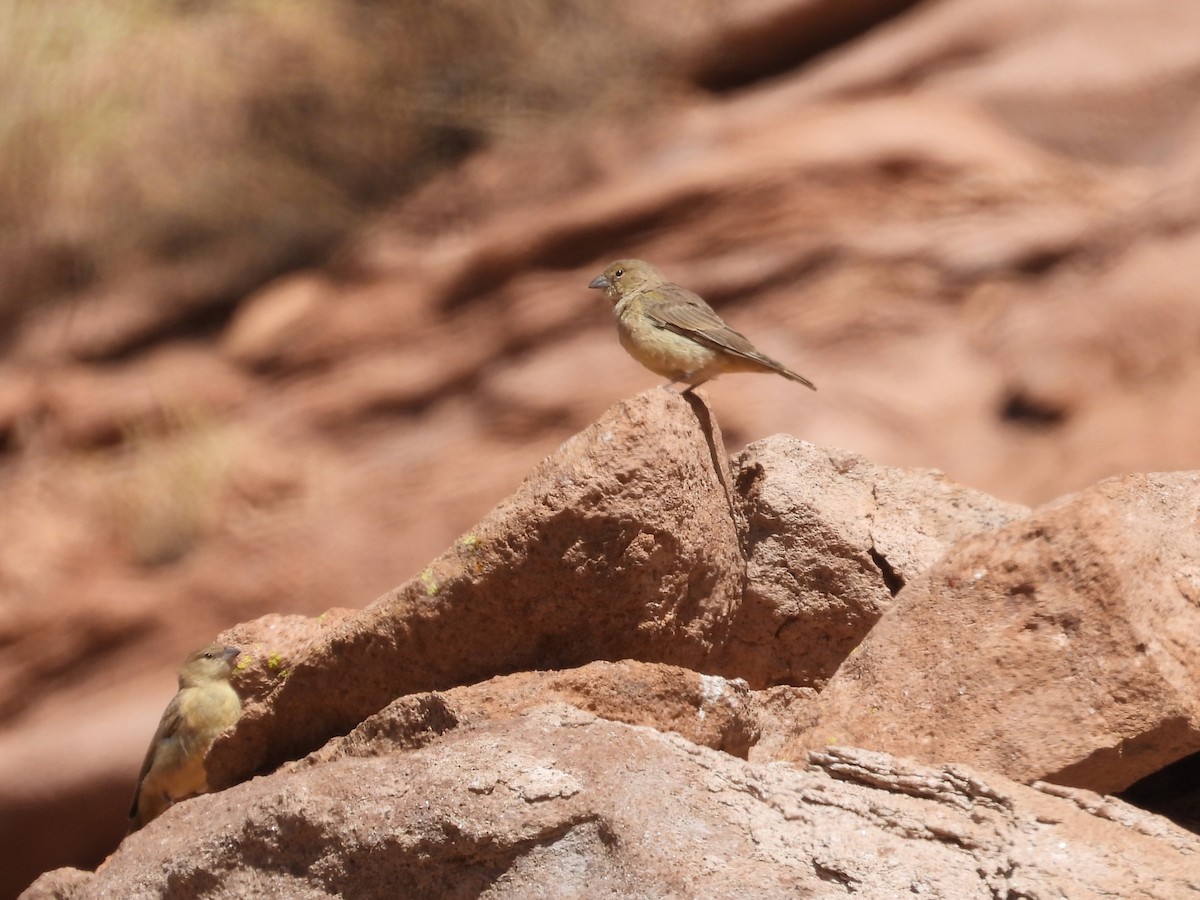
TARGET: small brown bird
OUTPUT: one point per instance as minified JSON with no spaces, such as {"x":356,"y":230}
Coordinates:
{"x":672,"y":331}
{"x":205,"y":705}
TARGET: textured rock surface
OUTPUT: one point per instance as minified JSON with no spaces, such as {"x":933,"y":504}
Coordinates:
{"x":632,"y":541}
{"x":1055,"y":648}
{"x":559,"y":803}
{"x":622,"y":544}
{"x":1041,"y":644}
{"x":830,"y":538}
{"x":1030,"y":643}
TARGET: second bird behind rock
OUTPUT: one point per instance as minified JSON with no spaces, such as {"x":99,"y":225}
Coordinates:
{"x":205,"y":705}
{"x":673,"y":332}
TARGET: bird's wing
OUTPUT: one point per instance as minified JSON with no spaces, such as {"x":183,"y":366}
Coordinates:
{"x":686,"y":313}
{"x":168,"y":727}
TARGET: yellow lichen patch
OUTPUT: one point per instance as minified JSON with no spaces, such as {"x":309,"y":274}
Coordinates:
{"x":165,"y":496}
{"x":429,"y":580}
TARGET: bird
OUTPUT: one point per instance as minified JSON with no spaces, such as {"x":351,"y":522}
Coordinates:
{"x":205,"y":705}
{"x":673,"y":332}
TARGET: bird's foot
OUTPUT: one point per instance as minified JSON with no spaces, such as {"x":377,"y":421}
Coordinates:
{"x":686,"y":380}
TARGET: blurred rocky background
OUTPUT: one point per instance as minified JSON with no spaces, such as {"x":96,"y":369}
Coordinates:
{"x":291,"y":294}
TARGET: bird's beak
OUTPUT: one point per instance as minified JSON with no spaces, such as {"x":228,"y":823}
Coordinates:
{"x":229,"y":654}
{"x":599,"y":282}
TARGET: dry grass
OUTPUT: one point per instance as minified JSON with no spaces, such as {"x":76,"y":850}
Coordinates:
{"x":135,"y":132}
{"x":165,"y":496}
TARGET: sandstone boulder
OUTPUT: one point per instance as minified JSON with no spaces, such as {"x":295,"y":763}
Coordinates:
{"x":830,"y":538}
{"x":622,"y":544}
{"x":1057,"y":648}
{"x":633,"y":541}
{"x":556,"y":802}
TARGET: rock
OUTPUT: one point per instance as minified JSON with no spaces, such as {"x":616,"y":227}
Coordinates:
{"x":1143,"y":328}
{"x":706,"y":709}
{"x":271,"y":643}
{"x":830,"y":538}
{"x":760,"y":39}
{"x":152,"y":304}
{"x":281,"y":321}
{"x":1058,"y":76}
{"x":174,"y":384}
{"x":631,"y":542}
{"x":556,"y":802}
{"x":599,"y":553}
{"x":60,"y":884}
{"x":621,"y":545}
{"x":1051,"y":649}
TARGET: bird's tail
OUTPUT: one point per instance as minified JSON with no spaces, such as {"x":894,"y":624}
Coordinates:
{"x":783,"y":370}
{"x":794,"y":376}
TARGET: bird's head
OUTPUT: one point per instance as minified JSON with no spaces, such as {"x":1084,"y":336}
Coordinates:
{"x":625,"y":276}
{"x":211,"y":663}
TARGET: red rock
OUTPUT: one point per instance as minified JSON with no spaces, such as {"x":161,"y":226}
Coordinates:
{"x":830,"y":538}
{"x":628,"y":543}
{"x":623,"y":544}
{"x":1047,"y":650}
{"x":172,"y":385}
{"x":558,"y":802}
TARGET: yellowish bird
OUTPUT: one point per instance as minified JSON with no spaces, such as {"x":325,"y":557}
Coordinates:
{"x":205,"y":705}
{"x":673,"y":332}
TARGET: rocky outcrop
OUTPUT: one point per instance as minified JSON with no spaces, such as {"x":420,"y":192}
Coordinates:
{"x":654,"y":669}
{"x":829,"y":540}
{"x":1055,"y":648}
{"x":558,"y":802}
{"x":635,"y":540}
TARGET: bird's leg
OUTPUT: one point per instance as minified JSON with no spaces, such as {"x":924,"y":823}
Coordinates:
{"x":685,"y":378}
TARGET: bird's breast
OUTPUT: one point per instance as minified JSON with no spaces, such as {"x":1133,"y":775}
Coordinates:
{"x":659,"y":349}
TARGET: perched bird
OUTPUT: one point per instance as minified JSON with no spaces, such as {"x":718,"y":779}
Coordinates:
{"x":672,"y":331}
{"x":205,"y":705}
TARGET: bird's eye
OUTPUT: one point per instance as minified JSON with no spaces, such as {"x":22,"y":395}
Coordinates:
{"x":618,"y":273}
